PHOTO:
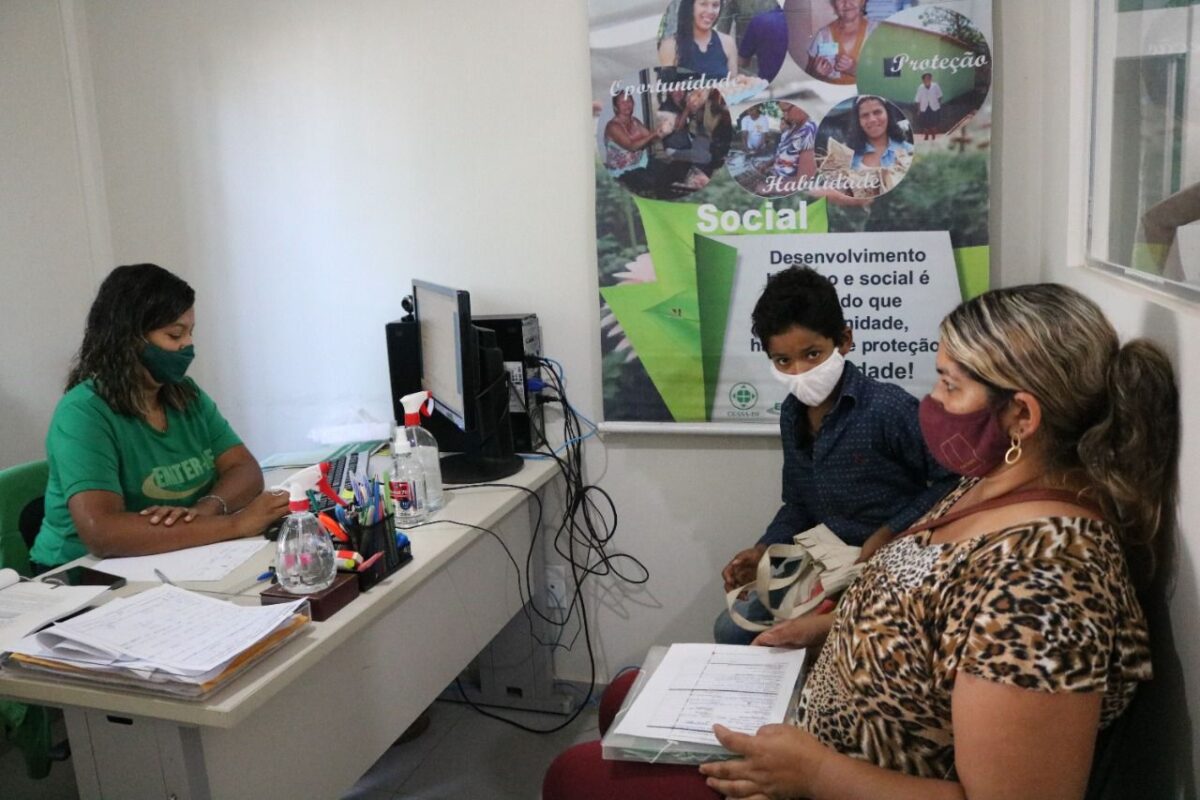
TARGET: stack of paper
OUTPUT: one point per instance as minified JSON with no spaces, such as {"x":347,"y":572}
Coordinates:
{"x":26,"y":606}
{"x":165,"y":640}
{"x":668,"y":715}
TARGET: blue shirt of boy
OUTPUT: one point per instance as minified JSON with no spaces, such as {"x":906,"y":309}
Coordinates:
{"x":866,"y":467}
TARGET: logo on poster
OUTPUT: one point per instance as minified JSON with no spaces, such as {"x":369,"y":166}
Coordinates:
{"x":743,"y":396}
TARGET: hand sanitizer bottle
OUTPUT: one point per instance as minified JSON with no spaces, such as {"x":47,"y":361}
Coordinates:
{"x":304,"y":554}
{"x":407,"y":483}
{"x":422,"y":441}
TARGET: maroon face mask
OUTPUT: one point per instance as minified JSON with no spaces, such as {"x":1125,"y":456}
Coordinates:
{"x":966,"y":444}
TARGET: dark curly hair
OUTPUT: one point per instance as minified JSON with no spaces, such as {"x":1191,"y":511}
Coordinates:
{"x":132,"y":301}
{"x":798,"y":296}
{"x":856,"y":138}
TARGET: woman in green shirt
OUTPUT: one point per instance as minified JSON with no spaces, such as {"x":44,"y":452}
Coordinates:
{"x":141,"y":461}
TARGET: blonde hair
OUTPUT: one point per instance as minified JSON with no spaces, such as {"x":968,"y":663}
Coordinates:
{"x":1110,"y":413}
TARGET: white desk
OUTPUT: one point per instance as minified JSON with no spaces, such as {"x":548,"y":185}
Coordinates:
{"x":311,"y":718}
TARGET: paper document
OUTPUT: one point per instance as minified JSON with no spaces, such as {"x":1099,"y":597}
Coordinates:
{"x":166,"y":641}
{"x":697,"y":685}
{"x":27,"y":606}
{"x":210,"y":562}
{"x":168,"y":628}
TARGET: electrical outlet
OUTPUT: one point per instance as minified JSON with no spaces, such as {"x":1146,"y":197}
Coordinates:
{"x":556,"y":587}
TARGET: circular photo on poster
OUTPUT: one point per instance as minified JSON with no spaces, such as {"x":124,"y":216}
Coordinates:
{"x":864,"y":147}
{"x":740,"y":44}
{"x":932,"y":62}
{"x":826,"y":37}
{"x":661,"y":137}
{"x":774,"y":149}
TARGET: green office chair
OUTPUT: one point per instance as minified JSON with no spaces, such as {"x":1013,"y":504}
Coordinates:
{"x":21,"y":490}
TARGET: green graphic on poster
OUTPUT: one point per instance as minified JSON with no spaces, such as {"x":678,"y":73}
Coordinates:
{"x":711,"y":174}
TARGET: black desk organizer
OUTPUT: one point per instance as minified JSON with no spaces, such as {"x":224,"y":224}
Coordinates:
{"x":379,"y":538}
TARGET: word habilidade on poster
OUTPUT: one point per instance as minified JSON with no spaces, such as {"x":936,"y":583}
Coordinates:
{"x":738,"y":138}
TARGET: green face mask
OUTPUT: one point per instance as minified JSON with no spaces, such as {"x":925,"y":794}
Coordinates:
{"x":167,"y":366}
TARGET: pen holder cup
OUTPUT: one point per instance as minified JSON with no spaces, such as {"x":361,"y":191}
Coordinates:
{"x":380,"y":538}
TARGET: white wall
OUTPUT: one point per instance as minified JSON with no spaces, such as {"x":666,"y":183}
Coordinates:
{"x":47,"y":200}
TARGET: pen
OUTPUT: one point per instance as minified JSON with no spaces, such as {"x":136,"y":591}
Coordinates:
{"x":159,"y":573}
{"x":270,"y":573}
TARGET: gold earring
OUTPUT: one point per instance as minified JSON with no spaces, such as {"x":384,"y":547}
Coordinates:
{"x":1013,"y":454}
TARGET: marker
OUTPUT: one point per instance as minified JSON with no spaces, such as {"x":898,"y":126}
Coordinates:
{"x":370,"y":562}
{"x":266,"y":576}
{"x":353,"y":555}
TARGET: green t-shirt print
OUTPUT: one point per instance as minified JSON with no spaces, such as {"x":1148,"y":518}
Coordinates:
{"x":172,"y":484}
{"x":90,"y":447}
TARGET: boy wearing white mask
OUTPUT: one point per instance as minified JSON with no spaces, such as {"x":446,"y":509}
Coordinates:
{"x":853,"y":455}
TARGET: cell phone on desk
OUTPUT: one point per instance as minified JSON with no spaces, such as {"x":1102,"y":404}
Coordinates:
{"x":84,"y":576}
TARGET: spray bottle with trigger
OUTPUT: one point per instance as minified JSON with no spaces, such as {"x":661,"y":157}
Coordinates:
{"x":421,"y":441}
{"x":304,"y":554}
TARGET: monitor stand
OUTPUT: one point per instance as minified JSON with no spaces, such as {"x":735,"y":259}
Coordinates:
{"x":461,"y":468}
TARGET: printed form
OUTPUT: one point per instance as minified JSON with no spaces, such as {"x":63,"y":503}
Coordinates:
{"x":209,"y":562}
{"x":697,"y":685}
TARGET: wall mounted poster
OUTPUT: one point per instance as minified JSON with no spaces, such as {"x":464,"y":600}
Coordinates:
{"x":736,"y":138}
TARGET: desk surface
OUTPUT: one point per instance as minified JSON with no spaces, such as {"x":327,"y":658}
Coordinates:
{"x":433,"y":545}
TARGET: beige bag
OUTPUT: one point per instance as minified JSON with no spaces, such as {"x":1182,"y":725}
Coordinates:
{"x":816,"y":566}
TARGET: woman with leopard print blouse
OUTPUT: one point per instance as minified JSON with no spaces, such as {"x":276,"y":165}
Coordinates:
{"x":979,"y":658}
{"x":979,"y":655}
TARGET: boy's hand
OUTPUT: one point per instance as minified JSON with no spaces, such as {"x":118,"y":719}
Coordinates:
{"x":876,"y":540}
{"x":743,"y":568}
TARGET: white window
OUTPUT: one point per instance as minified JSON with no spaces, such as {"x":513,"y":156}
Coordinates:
{"x":1145,"y":184}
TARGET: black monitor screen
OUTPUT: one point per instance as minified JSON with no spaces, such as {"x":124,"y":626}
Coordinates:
{"x":463,"y":367}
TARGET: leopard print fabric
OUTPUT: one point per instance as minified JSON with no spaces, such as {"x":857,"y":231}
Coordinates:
{"x":1046,"y":605}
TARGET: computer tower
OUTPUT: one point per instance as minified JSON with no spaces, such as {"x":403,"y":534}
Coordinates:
{"x":519,"y":338}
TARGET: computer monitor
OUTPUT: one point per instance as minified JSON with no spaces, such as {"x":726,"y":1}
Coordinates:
{"x":462,"y":366}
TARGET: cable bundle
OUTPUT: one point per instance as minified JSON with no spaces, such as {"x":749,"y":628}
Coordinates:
{"x":582,"y":537}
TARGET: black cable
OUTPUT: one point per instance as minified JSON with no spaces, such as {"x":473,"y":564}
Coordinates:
{"x":582,"y":538}
{"x":523,"y":591}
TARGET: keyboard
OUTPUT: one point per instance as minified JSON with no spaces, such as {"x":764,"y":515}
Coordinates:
{"x":340,"y":471}
{"x":353,"y":460}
